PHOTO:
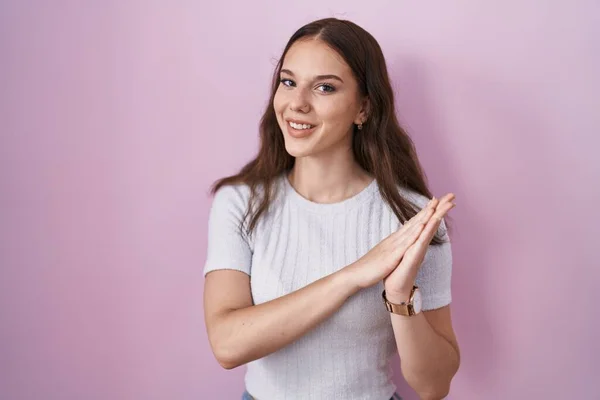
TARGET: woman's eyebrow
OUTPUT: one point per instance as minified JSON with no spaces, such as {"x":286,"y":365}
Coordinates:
{"x":318,"y":77}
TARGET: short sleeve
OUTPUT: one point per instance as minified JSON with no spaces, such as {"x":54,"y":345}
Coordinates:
{"x":434,"y":276}
{"x":228,"y":247}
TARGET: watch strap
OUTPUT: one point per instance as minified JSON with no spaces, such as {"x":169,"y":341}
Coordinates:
{"x":405,"y":308}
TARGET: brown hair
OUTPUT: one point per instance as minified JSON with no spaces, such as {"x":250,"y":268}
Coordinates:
{"x":382,"y":147}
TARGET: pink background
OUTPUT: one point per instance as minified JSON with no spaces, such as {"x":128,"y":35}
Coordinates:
{"x":115,"y":117}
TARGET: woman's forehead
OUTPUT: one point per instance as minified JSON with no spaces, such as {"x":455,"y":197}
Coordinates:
{"x":314,"y":57}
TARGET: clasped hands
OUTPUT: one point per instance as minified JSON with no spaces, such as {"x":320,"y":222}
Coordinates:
{"x":398,"y":257}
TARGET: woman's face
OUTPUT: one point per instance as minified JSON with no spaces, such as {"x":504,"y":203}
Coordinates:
{"x":317,"y":101}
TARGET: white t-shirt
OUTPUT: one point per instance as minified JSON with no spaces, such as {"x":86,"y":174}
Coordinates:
{"x":298,"y":242}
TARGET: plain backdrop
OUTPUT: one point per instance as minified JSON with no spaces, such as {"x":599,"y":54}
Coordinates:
{"x":116,"y":116}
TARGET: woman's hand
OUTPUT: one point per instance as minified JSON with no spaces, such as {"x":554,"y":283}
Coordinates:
{"x":399,"y":283}
{"x":382,"y":259}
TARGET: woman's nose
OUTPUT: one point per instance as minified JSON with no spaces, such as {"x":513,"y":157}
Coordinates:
{"x":299,"y":101}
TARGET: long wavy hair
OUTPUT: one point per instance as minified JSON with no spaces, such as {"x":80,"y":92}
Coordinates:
{"x":382,"y":148}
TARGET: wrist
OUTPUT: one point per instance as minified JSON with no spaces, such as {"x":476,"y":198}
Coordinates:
{"x":398,"y":295}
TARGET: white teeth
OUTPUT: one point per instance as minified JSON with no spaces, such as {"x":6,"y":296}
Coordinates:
{"x":299,"y":126}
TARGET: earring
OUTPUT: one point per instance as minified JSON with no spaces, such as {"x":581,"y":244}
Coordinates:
{"x":359,"y":126}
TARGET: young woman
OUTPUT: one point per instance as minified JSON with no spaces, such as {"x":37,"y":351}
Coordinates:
{"x":325,"y":256}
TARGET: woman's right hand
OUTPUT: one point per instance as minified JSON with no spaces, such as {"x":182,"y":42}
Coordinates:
{"x":382,"y":259}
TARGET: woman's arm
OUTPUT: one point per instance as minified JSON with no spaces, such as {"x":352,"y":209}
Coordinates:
{"x":240,"y":332}
{"x":429,"y":351}
{"x":426,"y":342}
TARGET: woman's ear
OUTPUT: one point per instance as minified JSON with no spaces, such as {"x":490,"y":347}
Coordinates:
{"x":364,"y":112}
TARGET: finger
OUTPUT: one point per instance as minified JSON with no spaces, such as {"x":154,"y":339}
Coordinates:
{"x":424,"y":214}
{"x":434,"y":203}
{"x":425,"y":238}
{"x":449,"y":197}
{"x":435,"y":221}
{"x":411,"y":235}
{"x":434,"y":209}
{"x":407,"y":239}
{"x":421,"y":218}
{"x":443,"y":209}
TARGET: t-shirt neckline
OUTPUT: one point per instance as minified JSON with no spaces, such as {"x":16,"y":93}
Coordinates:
{"x":340,"y":206}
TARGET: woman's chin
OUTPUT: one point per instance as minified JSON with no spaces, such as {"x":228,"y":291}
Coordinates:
{"x":297,"y":153}
{"x":298,"y":149}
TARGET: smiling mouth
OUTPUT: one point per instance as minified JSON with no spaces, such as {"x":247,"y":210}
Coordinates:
{"x":300,"y":126}
{"x":300,"y":130}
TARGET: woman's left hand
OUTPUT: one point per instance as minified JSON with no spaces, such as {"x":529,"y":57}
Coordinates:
{"x":399,"y":283}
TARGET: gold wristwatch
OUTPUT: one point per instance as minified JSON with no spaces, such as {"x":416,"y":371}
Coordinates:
{"x":406,"y":308}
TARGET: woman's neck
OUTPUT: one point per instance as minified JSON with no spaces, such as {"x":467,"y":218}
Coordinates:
{"x":328,"y":182}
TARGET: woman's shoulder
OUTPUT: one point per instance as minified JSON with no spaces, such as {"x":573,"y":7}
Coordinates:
{"x":239,"y":194}
{"x":232,"y":194}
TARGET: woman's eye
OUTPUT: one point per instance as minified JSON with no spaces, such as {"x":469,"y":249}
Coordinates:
{"x":326,"y":88}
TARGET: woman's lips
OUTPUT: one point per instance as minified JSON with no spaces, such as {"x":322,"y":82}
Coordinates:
{"x":299,"y":133}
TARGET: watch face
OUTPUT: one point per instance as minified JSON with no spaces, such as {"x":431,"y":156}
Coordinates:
{"x":417,"y":301}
